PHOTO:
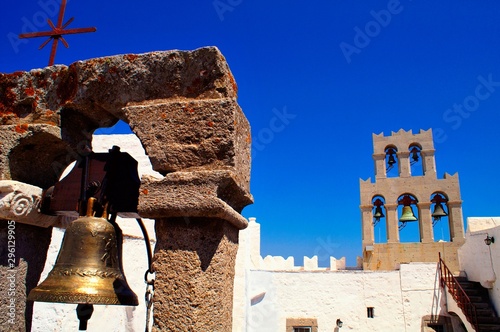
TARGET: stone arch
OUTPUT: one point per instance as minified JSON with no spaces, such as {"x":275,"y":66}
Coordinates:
{"x":36,"y":158}
{"x":182,"y":106}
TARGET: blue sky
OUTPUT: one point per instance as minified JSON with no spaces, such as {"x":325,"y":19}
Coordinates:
{"x":316,"y":79}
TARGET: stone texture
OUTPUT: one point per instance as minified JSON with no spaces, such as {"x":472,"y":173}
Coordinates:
{"x":171,"y":87}
{"x":209,"y":194}
{"x":20,"y":201}
{"x":192,"y":135}
{"x":33,"y":153}
{"x":194,"y":263}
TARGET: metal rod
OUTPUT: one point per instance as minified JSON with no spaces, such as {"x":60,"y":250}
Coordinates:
{"x":150,"y":282}
{"x":148,"y":245}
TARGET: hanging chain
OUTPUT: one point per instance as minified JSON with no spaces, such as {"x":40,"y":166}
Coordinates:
{"x":149,"y":276}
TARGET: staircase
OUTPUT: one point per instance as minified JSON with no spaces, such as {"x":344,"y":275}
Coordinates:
{"x":480,"y":299}
{"x":472,"y":298}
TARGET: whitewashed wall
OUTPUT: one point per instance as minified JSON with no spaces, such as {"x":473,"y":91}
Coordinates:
{"x":266,"y":296}
{"x":480,"y":262}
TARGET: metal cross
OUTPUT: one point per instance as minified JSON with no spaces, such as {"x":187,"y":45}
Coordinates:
{"x":57,"y":33}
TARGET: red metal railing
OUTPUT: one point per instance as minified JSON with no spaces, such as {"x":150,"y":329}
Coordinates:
{"x":458,"y":293}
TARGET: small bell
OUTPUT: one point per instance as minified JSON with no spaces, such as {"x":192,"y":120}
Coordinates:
{"x":391,"y":161}
{"x":438,"y":211}
{"x":378,"y":213}
{"x":407,"y":214}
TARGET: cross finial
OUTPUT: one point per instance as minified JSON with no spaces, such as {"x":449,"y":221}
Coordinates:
{"x":57,"y":33}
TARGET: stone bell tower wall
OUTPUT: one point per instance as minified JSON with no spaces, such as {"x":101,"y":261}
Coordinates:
{"x":388,"y":256}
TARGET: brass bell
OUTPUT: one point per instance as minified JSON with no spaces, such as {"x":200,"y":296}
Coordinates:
{"x":407,"y":214}
{"x":378,"y":213}
{"x":88,"y":269}
{"x":438,"y":211}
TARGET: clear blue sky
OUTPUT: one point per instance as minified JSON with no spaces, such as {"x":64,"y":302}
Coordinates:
{"x":341,"y":70}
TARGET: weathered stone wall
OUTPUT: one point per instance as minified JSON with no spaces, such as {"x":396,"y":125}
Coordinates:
{"x":390,"y":256}
{"x":203,"y":251}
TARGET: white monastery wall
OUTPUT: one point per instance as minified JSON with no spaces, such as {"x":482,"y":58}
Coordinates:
{"x":481,"y":262}
{"x":266,"y":295}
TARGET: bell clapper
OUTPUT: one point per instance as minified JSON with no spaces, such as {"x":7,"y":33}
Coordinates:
{"x":84,"y":312}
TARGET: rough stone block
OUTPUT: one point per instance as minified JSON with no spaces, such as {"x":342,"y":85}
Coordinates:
{"x":211,"y":194}
{"x":187,"y":99}
{"x":189,"y":135}
{"x":194,"y":263}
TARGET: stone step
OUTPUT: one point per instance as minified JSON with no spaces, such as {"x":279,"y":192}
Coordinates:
{"x":486,"y":317}
{"x":489,"y":327}
{"x":476,"y":299}
{"x":469,"y":286}
{"x":488,"y":320}
{"x":486,"y":312}
{"x":481,"y":305}
{"x":472,"y":292}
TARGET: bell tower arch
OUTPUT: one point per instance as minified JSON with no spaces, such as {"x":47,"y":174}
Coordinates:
{"x":410,"y":198}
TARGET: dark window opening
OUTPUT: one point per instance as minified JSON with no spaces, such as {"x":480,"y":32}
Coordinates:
{"x":437,"y":327}
{"x":370,"y":312}
{"x":302,"y":329}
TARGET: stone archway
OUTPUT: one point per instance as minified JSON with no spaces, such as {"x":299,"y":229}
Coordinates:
{"x":182,"y":106}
